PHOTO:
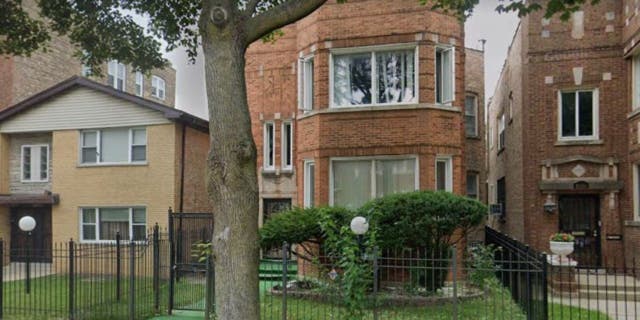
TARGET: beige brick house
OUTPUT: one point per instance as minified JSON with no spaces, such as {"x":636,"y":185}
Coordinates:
{"x":87,"y":160}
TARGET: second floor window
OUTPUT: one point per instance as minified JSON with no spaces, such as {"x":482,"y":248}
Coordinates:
{"x":157,"y":87}
{"x":501,"y":132}
{"x":139,"y":83}
{"x":269,"y":153}
{"x":471,"y":116}
{"x":287,"y":145}
{"x":35,"y":163}
{"x":118,"y":145}
{"x":305,"y":92}
{"x":116,"y":74}
{"x":445,"y":75}
{"x":578,"y":115}
{"x":374,"y":78}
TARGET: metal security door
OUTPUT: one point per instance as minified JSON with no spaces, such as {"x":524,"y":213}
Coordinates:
{"x":580,"y":216}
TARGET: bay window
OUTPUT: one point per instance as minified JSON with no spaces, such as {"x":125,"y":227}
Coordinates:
{"x":305,"y":84}
{"x":444,"y":173}
{"x":357,"y":181}
{"x":378,"y":77}
{"x":445,"y":74}
{"x":34,"y":163}
{"x":309,"y":183}
{"x":114,"y":145}
{"x":578,"y":115}
{"x":103,"y":224}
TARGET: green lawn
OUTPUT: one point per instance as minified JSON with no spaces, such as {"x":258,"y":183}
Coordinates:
{"x":559,"y":311}
{"x":94,"y":298}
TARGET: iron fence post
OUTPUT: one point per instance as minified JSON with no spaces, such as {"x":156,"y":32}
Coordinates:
{"x":1,"y":277}
{"x":118,"y":266}
{"x":454,"y":268}
{"x":375,"y":283}
{"x":545,"y":296}
{"x":285,"y":250}
{"x":156,"y":268}
{"x":132,"y":279}
{"x":172,"y":262}
{"x":71,"y":280}
{"x":208,"y":295}
{"x":28,"y":264}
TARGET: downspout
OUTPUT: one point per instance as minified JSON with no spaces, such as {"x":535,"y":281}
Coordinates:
{"x":182,"y":157}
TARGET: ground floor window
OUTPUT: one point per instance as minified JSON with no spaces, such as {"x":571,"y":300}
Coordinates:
{"x":444,"y":173}
{"x":309,"y":183}
{"x":356,"y":181}
{"x":102,"y":224}
{"x":472,"y":185}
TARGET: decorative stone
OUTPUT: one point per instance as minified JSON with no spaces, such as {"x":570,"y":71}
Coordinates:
{"x":610,"y":15}
{"x":609,"y":28}
{"x":606,"y":76}
{"x":577,"y":75}
{"x":545,"y":34}
{"x":579,"y":171}
{"x":548,"y":80}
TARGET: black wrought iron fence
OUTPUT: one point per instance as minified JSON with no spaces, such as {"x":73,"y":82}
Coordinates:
{"x":115,"y":280}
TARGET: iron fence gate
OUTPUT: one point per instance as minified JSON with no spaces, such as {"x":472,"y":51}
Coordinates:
{"x":190,"y":279}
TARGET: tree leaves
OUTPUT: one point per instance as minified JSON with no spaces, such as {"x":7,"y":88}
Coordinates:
{"x":19,"y":34}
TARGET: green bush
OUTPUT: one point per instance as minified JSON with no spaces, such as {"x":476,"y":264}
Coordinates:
{"x":421,"y":219}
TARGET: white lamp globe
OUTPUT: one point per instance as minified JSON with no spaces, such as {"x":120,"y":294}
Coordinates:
{"x":359,"y":225}
{"x":27,"y":223}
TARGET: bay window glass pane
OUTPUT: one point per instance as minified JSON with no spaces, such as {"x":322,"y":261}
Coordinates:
{"x":447,"y":76}
{"x":112,"y":221}
{"x":352,"y":79}
{"x":441,"y":175}
{"x":396,"y":75}
{"x":568,"y":114}
{"x":351,"y":183}
{"x":114,"y":145}
{"x":585,"y":116}
{"x":395,"y":176}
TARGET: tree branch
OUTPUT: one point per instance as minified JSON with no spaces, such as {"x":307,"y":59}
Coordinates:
{"x":251,"y":7}
{"x":279,"y":16}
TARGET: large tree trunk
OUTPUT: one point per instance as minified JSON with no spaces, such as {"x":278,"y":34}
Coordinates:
{"x":232,"y":176}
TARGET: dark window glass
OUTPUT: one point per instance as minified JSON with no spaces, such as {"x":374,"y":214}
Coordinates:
{"x":585,"y":120}
{"x":568,"y":114}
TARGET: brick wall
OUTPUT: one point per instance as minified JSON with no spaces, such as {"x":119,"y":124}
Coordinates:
{"x":196,"y":150}
{"x":423,"y":129}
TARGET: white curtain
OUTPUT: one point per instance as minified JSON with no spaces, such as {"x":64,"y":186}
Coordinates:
{"x":351,"y":183}
{"x":395,"y":176}
{"x":114,"y":145}
{"x":351,"y":79}
{"x":395,"y":76}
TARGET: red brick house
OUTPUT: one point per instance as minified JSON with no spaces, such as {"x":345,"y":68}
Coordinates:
{"x":563,"y":133}
{"x":364,"y":99}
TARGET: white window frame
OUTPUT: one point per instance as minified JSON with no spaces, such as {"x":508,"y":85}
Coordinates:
{"x":596,"y":118}
{"x":97,"y":223}
{"x":636,"y":191}
{"x":441,"y":47}
{"x":373,"y":171}
{"x":155,"y":87}
{"x":31,"y":146}
{"x":502,"y":136}
{"x":139,"y":82}
{"x":266,"y":165}
{"x":448,"y":175}
{"x":305,"y":83}
{"x":308,"y":195}
{"x":374,"y":73}
{"x":113,"y":69}
{"x":635,"y":84}
{"x":99,"y":146}
{"x":475,"y":115}
{"x":286,"y":148}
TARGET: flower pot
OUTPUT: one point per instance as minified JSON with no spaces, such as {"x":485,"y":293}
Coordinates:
{"x":561,"y":248}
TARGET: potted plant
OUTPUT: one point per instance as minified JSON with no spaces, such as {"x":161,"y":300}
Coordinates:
{"x":561,"y":244}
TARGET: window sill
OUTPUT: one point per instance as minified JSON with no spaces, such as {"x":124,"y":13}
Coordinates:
{"x":277,"y":172}
{"x":98,"y":165}
{"x":34,"y":181}
{"x":632,"y":223}
{"x":413,"y":106}
{"x":473,"y":138}
{"x":560,"y":143}
{"x":634,"y":113}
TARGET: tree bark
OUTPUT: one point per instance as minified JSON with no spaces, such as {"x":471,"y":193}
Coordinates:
{"x":232,"y":177}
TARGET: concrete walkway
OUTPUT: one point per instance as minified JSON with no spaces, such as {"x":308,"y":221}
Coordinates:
{"x":17,"y":270}
{"x":182,"y":315}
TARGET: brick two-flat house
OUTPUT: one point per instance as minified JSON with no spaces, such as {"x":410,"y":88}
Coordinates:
{"x":564,"y":133}
{"x":363,"y":99}
{"x":87,"y":160}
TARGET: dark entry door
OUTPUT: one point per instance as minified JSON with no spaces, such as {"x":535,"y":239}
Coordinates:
{"x":580,"y":216}
{"x":39,"y":243}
